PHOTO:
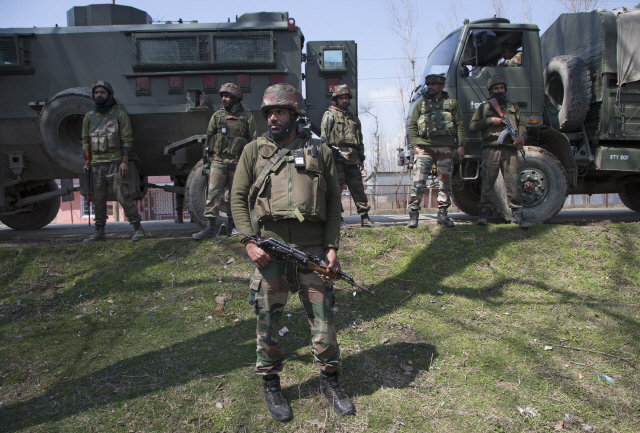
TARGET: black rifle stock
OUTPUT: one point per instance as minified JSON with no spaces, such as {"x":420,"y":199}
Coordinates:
{"x":508,"y":129}
{"x":285,"y":253}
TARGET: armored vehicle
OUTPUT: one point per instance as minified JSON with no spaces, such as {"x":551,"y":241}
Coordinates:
{"x":165,"y":76}
{"x":578,"y":88}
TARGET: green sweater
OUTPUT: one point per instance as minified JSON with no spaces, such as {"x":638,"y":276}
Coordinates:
{"x":290,"y":230}
{"x":126,"y":136}
{"x":438,"y":140}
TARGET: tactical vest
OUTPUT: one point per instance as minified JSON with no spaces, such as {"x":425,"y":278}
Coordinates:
{"x":232,"y":133}
{"x":104,"y":137}
{"x":290,"y":192}
{"x":492,"y":133}
{"x":345,"y":129}
{"x":436,"y":118}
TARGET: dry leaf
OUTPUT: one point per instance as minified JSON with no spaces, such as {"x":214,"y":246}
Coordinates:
{"x":385,"y":340}
{"x":406,"y":368}
{"x":559,"y":426}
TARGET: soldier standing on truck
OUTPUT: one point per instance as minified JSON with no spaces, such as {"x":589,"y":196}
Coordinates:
{"x":496,"y":157}
{"x":341,"y":131}
{"x":230,"y":129}
{"x":435,"y":128}
{"x":107,"y":142}
{"x":293,"y":197}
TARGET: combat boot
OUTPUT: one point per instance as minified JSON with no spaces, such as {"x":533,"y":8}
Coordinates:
{"x":209,"y":230}
{"x":97,"y":236}
{"x":517,"y":217}
{"x":366,"y":222}
{"x":413,"y":219}
{"x":443,"y":218}
{"x":138,"y":233}
{"x":276,"y":404}
{"x":330,"y":387}
{"x":483,"y":218}
{"x":179,"y":218}
{"x":343,"y":225}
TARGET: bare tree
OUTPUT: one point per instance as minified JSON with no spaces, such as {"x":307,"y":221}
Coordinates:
{"x":450,"y":20}
{"x":499,"y":7}
{"x":574,"y":6}
{"x":526,"y":11}
{"x":403,"y":17}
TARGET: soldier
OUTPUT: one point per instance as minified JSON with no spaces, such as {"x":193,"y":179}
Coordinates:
{"x":341,"y":130}
{"x":230,"y":129}
{"x":107,"y":142}
{"x":497,"y":157}
{"x":296,"y":199}
{"x":435,"y":131}
{"x":511,"y":56}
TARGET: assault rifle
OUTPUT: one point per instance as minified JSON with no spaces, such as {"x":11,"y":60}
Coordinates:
{"x":285,"y":253}
{"x":508,"y":128}
{"x":87,"y":172}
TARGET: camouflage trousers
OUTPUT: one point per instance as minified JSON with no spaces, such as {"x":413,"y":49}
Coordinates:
{"x":424,"y":159}
{"x":350,"y":173}
{"x":220,"y":180}
{"x":106,"y":175}
{"x":268,"y":297}
{"x":495,"y":159}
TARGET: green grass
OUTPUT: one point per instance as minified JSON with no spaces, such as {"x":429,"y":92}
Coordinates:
{"x":123,"y":336}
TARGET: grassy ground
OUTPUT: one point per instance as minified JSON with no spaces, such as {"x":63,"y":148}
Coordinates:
{"x":126,"y":337}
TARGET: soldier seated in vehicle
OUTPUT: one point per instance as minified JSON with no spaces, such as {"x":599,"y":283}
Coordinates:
{"x":510,"y":56}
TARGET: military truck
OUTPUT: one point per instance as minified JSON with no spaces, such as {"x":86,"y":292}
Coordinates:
{"x":578,"y":90}
{"x":165,"y":76}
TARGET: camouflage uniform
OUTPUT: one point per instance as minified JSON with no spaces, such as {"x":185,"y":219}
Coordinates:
{"x":342,"y":129}
{"x":436,"y":129}
{"x":281,"y":215}
{"x":109,"y":137}
{"x":497,"y":157}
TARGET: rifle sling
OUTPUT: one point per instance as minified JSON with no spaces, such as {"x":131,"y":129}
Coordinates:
{"x":255,"y":188}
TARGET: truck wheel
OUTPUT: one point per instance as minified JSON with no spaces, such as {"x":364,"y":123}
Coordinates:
{"x":195,"y":194}
{"x":630,"y":196}
{"x":567,"y":83}
{"x":41,"y":213}
{"x":467,"y":198}
{"x":60,"y":126}
{"x":543,"y":186}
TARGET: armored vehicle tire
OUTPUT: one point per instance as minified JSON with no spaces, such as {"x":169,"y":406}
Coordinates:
{"x":546,"y":181}
{"x":630,"y":196}
{"x":60,"y":126}
{"x":41,"y":213}
{"x":567,"y":83}
{"x":467,"y":198}
{"x":195,"y":194}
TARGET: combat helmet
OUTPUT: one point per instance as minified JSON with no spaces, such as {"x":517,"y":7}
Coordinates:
{"x":103,"y":84}
{"x":232,"y":89}
{"x":434,"y":78}
{"x":340,"y":90}
{"x":283,"y":95}
{"x":495,"y":80}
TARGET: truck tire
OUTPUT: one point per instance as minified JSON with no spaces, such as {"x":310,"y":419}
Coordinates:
{"x":550,"y":187}
{"x":567,"y":83}
{"x":195,"y":194}
{"x":467,"y":198}
{"x":630,"y":196}
{"x":41,"y":213}
{"x":60,"y":126}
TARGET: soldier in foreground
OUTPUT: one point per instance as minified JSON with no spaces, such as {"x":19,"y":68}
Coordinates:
{"x":436,"y":130}
{"x":496,"y":157}
{"x":230,"y":129}
{"x":341,"y":130}
{"x":107,"y":142}
{"x":282,"y":173}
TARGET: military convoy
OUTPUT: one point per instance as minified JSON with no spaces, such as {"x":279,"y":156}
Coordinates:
{"x":165,"y":76}
{"x":578,"y":89}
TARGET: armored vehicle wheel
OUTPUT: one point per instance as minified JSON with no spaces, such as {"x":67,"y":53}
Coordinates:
{"x":40,"y":213}
{"x":567,"y":83}
{"x":195,"y":194}
{"x":467,"y":198}
{"x":543,"y":185}
{"x":60,"y":126}
{"x":630,"y":196}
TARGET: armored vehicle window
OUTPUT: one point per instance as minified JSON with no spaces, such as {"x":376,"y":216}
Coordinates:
{"x":187,"y":49}
{"x":491,"y":48}
{"x":9,"y":55}
{"x":332,"y":59}
{"x":440,"y":58}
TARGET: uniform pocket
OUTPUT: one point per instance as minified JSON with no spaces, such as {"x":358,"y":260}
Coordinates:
{"x":263,"y":201}
{"x":423,"y":129}
{"x":320,"y":199}
{"x":448,"y":122}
